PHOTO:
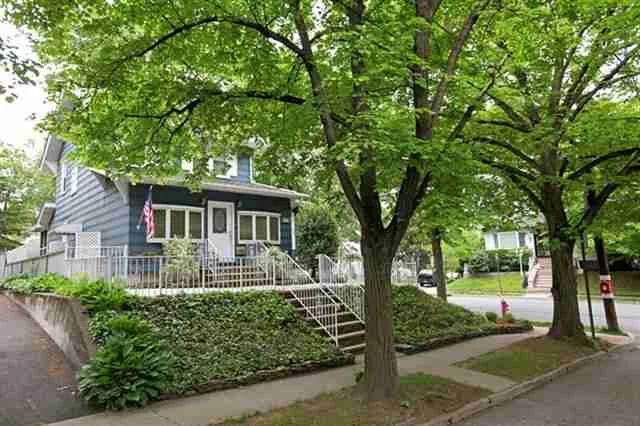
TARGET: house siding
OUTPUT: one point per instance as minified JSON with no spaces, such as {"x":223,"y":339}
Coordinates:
{"x":184,"y":197}
{"x":96,"y":204}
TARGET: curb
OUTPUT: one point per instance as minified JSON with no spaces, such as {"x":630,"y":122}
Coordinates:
{"x":515,"y":391}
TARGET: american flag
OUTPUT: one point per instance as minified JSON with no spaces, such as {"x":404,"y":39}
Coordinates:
{"x":147,"y":216}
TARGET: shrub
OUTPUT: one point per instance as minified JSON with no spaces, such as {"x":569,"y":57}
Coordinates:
{"x":183,"y":263}
{"x":98,"y":296}
{"x":498,"y":261}
{"x":508,"y":318}
{"x":317,"y":233}
{"x":126,"y":371}
{"x":109,"y":323}
{"x":24,"y":284}
{"x":491,"y":316}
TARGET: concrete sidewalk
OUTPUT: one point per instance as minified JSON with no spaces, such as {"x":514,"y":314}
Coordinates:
{"x":204,"y":409}
{"x":37,"y":383}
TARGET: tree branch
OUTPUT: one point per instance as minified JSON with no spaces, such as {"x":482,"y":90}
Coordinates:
{"x":596,"y":202}
{"x":509,"y":147}
{"x":452,"y":60}
{"x":606,"y":81}
{"x":515,"y":175}
{"x":586,"y":168}
{"x":239,"y":21}
{"x":468,"y":113}
{"x":507,"y":169}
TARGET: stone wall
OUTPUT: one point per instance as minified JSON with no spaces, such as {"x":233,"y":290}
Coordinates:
{"x":64,"y":320}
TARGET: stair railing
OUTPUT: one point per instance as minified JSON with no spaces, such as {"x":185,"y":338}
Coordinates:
{"x":351,"y":295}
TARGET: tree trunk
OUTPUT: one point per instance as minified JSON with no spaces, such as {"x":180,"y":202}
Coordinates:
{"x":566,"y":316}
{"x":381,"y":369}
{"x":438,"y":263}
{"x":605,"y":274}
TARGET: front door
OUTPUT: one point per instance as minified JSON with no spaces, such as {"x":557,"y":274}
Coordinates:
{"x":221,"y":227}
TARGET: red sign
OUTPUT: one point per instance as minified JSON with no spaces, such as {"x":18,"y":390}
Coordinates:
{"x":606,"y":287}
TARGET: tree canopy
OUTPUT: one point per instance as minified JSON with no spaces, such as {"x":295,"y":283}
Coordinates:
{"x":22,"y":189}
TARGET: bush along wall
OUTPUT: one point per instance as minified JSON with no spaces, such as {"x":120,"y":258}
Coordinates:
{"x":154,"y":348}
{"x":422,"y":322}
{"x":498,"y":261}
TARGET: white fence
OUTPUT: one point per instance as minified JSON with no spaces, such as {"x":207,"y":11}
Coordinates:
{"x":351,"y":271}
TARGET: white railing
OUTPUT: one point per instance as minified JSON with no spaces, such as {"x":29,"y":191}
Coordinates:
{"x":351,"y":271}
{"x":81,"y":252}
{"x":351,"y":293}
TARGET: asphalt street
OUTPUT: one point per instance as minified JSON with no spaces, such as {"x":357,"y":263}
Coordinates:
{"x":603,"y":392}
{"x":541,"y":309}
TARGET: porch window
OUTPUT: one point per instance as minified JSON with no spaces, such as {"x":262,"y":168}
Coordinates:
{"x":177,"y":222}
{"x":246,"y":228}
{"x":161,"y":223}
{"x":259,"y":226}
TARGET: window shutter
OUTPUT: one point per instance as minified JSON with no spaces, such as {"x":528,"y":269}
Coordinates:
{"x":63,"y":178}
{"x":74,"y":179}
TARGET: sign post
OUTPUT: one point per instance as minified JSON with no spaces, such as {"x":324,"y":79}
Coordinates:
{"x":583,"y":244}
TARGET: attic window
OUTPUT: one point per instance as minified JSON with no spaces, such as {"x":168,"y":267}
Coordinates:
{"x":224,"y":167}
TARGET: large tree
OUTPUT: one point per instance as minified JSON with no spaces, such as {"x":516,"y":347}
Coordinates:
{"x":22,"y":189}
{"x":561,"y":118}
{"x":373,"y":84}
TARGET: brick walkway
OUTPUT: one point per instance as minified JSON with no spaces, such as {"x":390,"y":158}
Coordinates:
{"x":36,"y":382}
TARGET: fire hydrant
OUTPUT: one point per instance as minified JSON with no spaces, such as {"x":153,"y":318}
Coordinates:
{"x":504,"y":307}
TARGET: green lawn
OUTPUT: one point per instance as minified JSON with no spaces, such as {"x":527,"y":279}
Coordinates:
{"x":528,"y":358}
{"x":510,"y":282}
{"x":627,"y":284}
{"x":422,"y":397}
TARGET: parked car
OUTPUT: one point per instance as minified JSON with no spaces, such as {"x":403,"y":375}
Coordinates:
{"x":425,"y":278}
{"x":451,"y":276}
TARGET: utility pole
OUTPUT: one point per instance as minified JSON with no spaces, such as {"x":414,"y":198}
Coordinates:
{"x":606,"y":285}
{"x":438,"y":263}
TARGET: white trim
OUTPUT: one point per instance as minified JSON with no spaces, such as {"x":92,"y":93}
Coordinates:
{"x":167,"y":208}
{"x":230,"y":226}
{"x":67,"y":228}
{"x":293,"y":231}
{"x":74,"y":178}
{"x":253,"y":215}
{"x":225,"y":186}
{"x":251,"y":179}
{"x":122,"y":185}
{"x":63,"y":178}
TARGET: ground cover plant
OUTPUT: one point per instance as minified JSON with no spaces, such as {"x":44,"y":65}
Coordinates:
{"x":221,"y":336}
{"x":419,"y":319}
{"x":421,"y":397}
{"x":165,"y":346}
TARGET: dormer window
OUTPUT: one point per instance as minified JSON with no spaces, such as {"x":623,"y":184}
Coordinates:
{"x":224,"y":167}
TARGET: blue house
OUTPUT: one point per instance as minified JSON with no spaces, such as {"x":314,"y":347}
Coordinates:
{"x":229,"y":212}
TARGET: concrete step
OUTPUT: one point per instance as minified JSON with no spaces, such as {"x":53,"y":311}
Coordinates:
{"x":355,"y":348}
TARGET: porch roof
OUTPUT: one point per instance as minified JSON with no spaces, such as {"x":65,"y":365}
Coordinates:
{"x":44,"y":217}
{"x":222,"y":185}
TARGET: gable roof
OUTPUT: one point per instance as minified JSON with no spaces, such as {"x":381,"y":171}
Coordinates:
{"x":51,"y":154}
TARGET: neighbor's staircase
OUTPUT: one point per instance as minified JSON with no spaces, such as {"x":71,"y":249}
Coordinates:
{"x":542,"y":280}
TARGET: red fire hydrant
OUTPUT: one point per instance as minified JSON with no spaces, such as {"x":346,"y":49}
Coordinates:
{"x":504,"y":307}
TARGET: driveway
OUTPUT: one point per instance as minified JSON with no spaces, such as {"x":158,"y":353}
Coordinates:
{"x":603,"y":392}
{"x":37,"y":383}
{"x":541,"y":309}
